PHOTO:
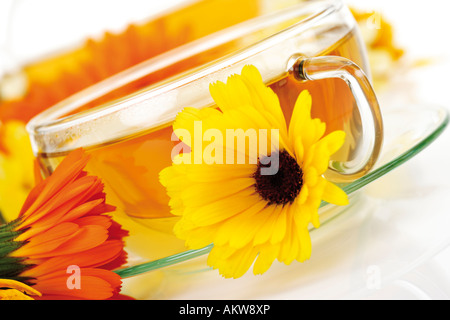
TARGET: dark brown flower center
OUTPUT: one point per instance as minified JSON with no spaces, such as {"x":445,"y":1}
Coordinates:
{"x":282,"y":186}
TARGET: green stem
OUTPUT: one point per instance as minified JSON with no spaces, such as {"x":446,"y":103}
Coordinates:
{"x":2,"y":219}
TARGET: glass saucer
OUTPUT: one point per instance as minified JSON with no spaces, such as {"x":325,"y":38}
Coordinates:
{"x":408,"y":130}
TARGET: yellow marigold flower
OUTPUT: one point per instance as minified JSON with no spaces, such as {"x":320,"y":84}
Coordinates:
{"x":247,"y":216}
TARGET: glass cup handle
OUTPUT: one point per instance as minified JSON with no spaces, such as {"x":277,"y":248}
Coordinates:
{"x":325,"y":67}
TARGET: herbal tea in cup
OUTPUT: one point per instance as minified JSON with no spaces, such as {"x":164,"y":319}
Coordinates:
{"x":311,"y":46}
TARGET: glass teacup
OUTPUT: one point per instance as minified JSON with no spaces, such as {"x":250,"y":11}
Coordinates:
{"x":314,"y":46}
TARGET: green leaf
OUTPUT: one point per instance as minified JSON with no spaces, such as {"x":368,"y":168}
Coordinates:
{"x":7,"y":247}
{"x":8,"y":236}
{"x":10,"y":225}
{"x":2,"y":219}
{"x":12,"y":270}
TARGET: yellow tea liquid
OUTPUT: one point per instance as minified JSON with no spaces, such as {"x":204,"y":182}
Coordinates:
{"x":130,"y":167}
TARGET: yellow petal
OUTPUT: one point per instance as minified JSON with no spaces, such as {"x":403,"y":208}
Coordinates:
{"x":305,"y":245}
{"x":301,"y":212}
{"x":288,"y":250}
{"x":187,"y":118}
{"x":239,"y":230}
{"x":248,"y":92}
{"x":318,"y":157}
{"x":263,"y":97}
{"x":280,"y":226}
{"x":217,"y":173}
{"x":199,"y":194}
{"x":197,"y":238}
{"x":335,"y":195}
{"x":300,"y":115}
{"x":266,"y":256}
{"x":230,"y":95}
{"x":232,"y":265}
{"x":310,"y":176}
{"x":315,"y":195}
{"x":303,"y":196}
{"x":334,"y":141}
{"x":265,"y":231}
{"x":315,"y":219}
{"x":299,"y":150}
{"x":16,"y":290}
{"x":222,"y":209}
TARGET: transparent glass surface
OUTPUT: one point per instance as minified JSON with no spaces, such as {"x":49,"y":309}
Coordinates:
{"x":325,"y":67}
{"x":268,"y":42}
{"x":129,"y":140}
{"x":354,"y":246}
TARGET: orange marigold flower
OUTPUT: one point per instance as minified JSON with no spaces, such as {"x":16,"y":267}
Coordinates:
{"x":64,"y":226}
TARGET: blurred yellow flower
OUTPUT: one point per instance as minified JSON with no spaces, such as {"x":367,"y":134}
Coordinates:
{"x":16,"y":168}
{"x":383,"y":51}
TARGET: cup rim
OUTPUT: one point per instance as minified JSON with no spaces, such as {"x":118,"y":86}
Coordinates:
{"x":52,"y":120}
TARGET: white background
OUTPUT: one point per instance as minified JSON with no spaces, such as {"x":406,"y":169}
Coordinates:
{"x":392,"y":206}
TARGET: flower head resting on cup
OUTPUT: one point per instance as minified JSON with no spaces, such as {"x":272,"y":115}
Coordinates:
{"x":253,"y":201}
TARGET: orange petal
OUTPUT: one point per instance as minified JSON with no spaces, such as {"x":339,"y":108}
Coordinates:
{"x":47,"y":241}
{"x":95,"y":284}
{"x":85,"y":238}
{"x":95,"y":257}
{"x":65,"y":173}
